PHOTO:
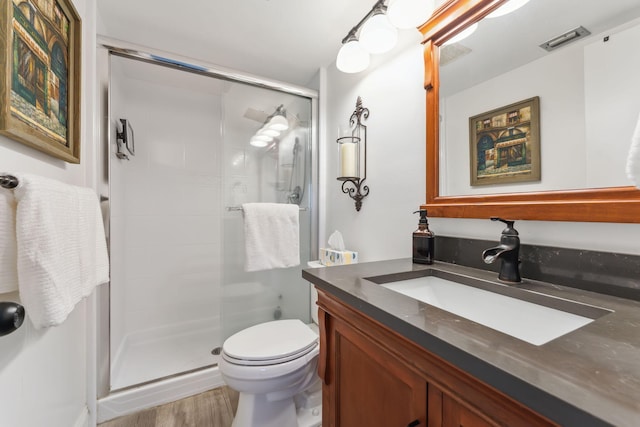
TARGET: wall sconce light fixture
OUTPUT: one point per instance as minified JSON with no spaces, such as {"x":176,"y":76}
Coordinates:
{"x":352,"y":156}
{"x":378,"y":31}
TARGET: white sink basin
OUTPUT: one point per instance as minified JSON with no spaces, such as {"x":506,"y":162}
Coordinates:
{"x":533,"y":323}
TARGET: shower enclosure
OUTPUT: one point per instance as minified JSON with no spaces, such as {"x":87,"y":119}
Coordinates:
{"x":182,"y":160}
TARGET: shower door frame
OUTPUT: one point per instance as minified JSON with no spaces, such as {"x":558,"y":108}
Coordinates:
{"x":108,"y":47}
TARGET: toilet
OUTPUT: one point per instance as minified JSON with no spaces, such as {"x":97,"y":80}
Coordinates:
{"x":273,"y":366}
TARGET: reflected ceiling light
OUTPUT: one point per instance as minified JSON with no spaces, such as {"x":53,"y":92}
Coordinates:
{"x":268,"y":132}
{"x":278,"y":123}
{"x":377,"y":34}
{"x":257,"y":142}
{"x":407,"y":14}
{"x":352,"y":57}
{"x":278,"y":120}
{"x":273,"y":126}
{"x":462,"y":35}
{"x":263,"y":137}
{"x":508,"y":7}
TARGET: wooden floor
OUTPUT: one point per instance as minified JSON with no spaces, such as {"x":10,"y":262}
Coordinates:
{"x":214,"y":408}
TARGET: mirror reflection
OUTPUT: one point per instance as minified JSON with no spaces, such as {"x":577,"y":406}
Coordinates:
{"x":589,"y":95}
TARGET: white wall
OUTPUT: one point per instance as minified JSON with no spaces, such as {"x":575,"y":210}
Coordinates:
{"x":43,"y":374}
{"x":612,"y":100}
{"x":394,"y":94}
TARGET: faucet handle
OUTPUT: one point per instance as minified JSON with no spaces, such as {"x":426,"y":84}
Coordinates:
{"x":510,"y":231}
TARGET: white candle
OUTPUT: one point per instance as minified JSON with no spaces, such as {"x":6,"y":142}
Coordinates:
{"x":349,"y":159}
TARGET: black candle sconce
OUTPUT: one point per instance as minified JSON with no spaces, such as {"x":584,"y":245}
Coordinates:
{"x":352,"y":156}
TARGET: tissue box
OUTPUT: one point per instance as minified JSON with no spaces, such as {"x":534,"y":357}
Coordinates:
{"x":333,"y":257}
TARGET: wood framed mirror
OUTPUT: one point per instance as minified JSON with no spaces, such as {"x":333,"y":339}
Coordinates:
{"x":607,"y":204}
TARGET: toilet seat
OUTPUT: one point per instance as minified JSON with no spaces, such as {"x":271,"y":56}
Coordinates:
{"x":270,"y":343}
{"x":266,"y":362}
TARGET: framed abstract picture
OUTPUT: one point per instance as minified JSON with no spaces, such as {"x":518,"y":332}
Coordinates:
{"x":504,"y":144}
{"x":40,"y":47}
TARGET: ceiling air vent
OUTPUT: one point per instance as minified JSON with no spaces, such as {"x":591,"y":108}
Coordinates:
{"x":451,"y":52}
{"x":566,"y":38}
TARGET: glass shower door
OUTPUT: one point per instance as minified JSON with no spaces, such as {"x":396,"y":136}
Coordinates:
{"x":178,"y":283}
{"x":166,"y":213}
{"x":276,"y":170}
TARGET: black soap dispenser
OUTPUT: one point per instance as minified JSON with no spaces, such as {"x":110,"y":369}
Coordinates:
{"x":423,"y":241}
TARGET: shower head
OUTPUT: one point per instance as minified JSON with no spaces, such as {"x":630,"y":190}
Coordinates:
{"x":296,"y":146}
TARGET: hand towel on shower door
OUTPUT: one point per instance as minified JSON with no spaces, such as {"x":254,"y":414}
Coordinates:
{"x":271,"y":235}
{"x":62,"y":252}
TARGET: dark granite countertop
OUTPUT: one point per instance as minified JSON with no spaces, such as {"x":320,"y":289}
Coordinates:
{"x":588,"y":377}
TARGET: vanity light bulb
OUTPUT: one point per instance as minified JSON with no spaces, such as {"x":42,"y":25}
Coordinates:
{"x":352,"y":57}
{"x":378,"y":35}
{"x":405,"y":14}
{"x":269,"y":132}
{"x":508,"y":7}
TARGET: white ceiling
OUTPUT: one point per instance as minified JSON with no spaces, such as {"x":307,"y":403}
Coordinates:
{"x":287,"y":40}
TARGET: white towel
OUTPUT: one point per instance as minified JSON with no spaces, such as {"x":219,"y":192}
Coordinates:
{"x":62,"y":252}
{"x":633,"y":159}
{"x":271,"y":235}
{"x":8,"y":247}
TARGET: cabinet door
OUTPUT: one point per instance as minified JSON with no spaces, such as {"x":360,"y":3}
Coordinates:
{"x":371,"y":387}
{"x":455,"y":414}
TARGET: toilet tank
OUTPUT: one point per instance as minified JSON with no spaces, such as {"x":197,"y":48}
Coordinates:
{"x":313,"y":295}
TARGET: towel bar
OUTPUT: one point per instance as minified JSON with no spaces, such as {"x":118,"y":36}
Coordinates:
{"x":239,"y":208}
{"x":8,"y":181}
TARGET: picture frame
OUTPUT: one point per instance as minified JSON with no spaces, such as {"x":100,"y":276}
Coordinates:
{"x":504,"y":144}
{"x":40,"y":57}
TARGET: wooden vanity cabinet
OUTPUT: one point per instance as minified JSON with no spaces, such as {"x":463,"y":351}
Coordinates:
{"x":375,"y":377}
{"x":367,"y":386}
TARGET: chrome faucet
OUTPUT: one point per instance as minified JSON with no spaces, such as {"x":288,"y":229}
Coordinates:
{"x":508,"y":251}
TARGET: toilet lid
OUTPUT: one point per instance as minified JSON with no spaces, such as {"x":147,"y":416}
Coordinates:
{"x":270,"y":341}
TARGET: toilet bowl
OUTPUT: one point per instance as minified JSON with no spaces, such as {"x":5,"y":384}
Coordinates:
{"x":273,"y":367}
{"x":269,"y":364}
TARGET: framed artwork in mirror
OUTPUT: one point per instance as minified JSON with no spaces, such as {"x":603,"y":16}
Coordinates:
{"x":504,"y":144}
{"x":40,"y":67}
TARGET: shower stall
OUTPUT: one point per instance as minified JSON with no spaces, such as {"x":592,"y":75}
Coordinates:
{"x":182,"y":158}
